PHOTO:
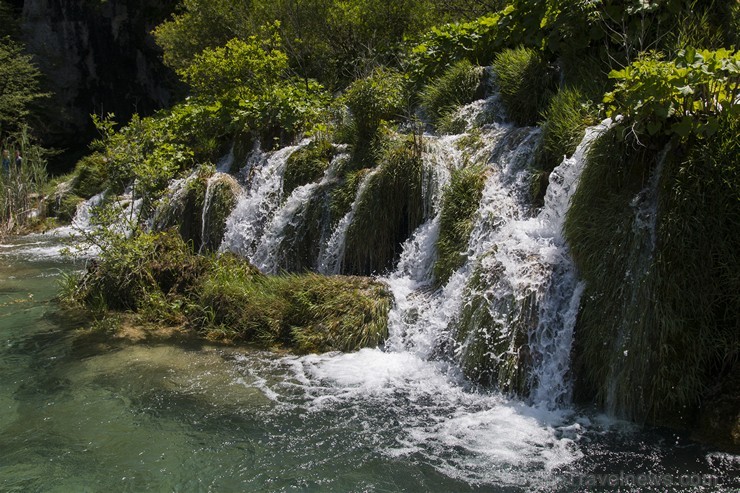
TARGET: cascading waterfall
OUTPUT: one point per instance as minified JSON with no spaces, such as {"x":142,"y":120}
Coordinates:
{"x":507,"y":315}
{"x":262,"y":197}
{"x":527,"y":260}
{"x":332,"y":254}
{"x":422,"y":322}
{"x":225,"y":163}
{"x":84,"y":212}
{"x":292,"y":212}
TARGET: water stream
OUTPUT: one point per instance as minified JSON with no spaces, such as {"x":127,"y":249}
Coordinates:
{"x":85,"y":412}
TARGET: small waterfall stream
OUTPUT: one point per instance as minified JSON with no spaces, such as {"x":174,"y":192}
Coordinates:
{"x":259,"y":202}
{"x":332,"y":254}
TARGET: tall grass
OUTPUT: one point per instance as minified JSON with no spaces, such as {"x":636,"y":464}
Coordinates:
{"x":459,"y":203}
{"x":525,"y":82}
{"x":462,"y":83}
{"x":659,"y":325}
{"x":160,"y":278}
{"x":21,"y":188}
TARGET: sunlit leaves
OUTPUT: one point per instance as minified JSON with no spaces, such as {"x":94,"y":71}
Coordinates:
{"x":683,"y":96}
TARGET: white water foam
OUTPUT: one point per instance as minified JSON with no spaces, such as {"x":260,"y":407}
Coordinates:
{"x":263,"y":175}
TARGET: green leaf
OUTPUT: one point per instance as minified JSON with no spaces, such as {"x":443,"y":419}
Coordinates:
{"x":683,"y":128}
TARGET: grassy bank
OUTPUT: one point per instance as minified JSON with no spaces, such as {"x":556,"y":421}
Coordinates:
{"x":158,"y":277}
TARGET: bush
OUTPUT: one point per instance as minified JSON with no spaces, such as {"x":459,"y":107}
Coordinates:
{"x":130,"y":271}
{"x":90,"y":175}
{"x":282,"y":111}
{"x":678,"y":97}
{"x":379,"y":97}
{"x":459,"y":203}
{"x":444,"y":45}
{"x":525,"y":82}
{"x":460,"y":84}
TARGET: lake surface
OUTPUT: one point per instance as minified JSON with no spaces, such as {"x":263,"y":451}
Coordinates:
{"x":81,"y":412}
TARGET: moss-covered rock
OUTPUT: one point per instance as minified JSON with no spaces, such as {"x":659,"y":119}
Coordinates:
{"x":660,"y":320}
{"x":222,"y":195}
{"x":459,"y":203}
{"x":389,"y":210}
{"x":62,"y":202}
{"x":182,"y":207}
{"x":492,"y":331}
{"x":90,"y":175}
{"x":307,"y":165}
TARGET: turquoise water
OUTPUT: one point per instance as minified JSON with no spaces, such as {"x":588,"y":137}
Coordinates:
{"x":80,"y":412}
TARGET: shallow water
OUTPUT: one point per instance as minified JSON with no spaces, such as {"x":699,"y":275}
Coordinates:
{"x":83,"y":413}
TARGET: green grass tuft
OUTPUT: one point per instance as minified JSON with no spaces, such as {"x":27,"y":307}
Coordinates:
{"x":565,"y":120}
{"x":459,"y":203}
{"x":307,"y":165}
{"x":462,"y":83}
{"x":390,"y":209}
{"x":525,"y":82}
{"x":158,"y":276}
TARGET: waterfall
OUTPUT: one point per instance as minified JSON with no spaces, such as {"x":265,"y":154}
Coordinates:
{"x":84,"y":212}
{"x":291,"y":213}
{"x":332,"y":254}
{"x":264,"y":179}
{"x":506,"y":316}
{"x":637,"y":277}
{"x":224,"y":164}
{"x":517,"y":264}
{"x":421,"y":321}
{"x":552,"y":340}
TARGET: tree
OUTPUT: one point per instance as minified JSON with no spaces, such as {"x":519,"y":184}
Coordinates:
{"x":19,"y":85}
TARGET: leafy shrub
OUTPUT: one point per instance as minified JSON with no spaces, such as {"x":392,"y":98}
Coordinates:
{"x":459,"y":204}
{"x":282,"y":111}
{"x":525,"y":82}
{"x":239,"y":68}
{"x":378,"y":97}
{"x":90,"y":175}
{"x":460,"y":84}
{"x":682,"y":96}
{"x":444,"y":45}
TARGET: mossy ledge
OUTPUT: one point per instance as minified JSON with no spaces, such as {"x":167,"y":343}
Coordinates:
{"x":157,"y":281}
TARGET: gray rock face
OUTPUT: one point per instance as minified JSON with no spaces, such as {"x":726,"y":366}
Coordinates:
{"x":98,"y":57}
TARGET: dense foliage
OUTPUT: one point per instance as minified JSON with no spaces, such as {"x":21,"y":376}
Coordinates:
{"x":23,"y":180}
{"x":159,"y":277}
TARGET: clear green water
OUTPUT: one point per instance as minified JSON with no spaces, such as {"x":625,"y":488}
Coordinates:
{"x":84,"y":413}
